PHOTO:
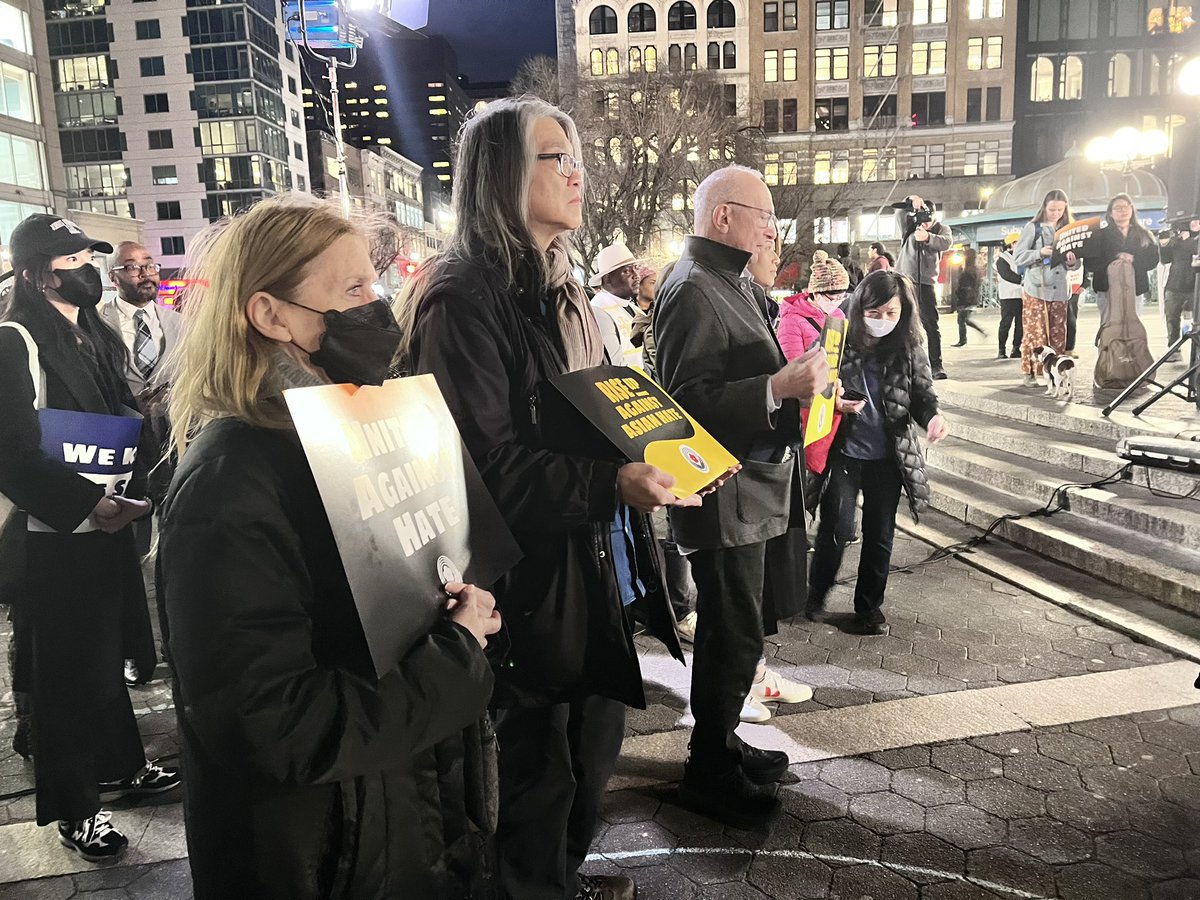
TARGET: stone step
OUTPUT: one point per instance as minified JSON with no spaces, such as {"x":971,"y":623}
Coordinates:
{"x":1082,"y":453}
{"x":1156,"y":569}
{"x":1121,"y":505}
{"x":1004,"y":401}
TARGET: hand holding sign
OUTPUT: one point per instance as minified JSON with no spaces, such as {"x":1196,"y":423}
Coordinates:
{"x":474,"y":609}
{"x":803,"y":378}
{"x":114,"y":513}
{"x":645,"y":487}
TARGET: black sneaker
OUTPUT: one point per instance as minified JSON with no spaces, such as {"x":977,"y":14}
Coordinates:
{"x":731,"y":798}
{"x":763,"y":766}
{"x":152,"y":779}
{"x":940,"y":375}
{"x":866,"y":624}
{"x":606,"y":887}
{"x":1016,"y":354}
{"x":94,"y":839}
{"x":815,"y":612}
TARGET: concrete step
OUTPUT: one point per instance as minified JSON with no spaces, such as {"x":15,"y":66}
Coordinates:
{"x":1157,"y":569}
{"x":1084,"y":454}
{"x":1121,"y":505}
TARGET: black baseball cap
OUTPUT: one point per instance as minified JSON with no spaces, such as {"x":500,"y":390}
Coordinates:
{"x":51,"y":236}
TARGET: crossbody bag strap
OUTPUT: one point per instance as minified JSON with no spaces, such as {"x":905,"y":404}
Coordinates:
{"x":36,"y":374}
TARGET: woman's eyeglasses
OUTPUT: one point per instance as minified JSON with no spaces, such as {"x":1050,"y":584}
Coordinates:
{"x":567,"y":164}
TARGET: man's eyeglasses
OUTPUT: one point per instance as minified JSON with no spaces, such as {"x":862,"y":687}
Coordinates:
{"x":131,"y":269}
{"x":567,"y":164}
{"x":765,"y":216}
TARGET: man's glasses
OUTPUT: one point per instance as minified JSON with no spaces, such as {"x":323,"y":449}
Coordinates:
{"x":131,"y":269}
{"x":567,"y":164}
{"x":765,"y":216}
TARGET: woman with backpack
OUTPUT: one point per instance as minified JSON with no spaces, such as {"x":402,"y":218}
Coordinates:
{"x":1125,"y":238}
{"x":1044,"y":284}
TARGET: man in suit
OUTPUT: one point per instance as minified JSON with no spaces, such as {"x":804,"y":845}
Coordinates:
{"x":717,"y":355}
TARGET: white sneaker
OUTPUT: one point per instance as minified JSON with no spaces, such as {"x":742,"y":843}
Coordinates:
{"x":776,"y":688}
{"x":753,"y":711}
{"x":131,"y":672}
{"x":686,"y":628}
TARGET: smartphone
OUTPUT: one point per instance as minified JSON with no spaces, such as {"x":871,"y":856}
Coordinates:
{"x":852,"y":396}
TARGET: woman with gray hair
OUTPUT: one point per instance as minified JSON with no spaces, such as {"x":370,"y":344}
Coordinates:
{"x":495,"y":317}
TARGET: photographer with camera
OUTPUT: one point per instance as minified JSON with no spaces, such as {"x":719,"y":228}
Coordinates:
{"x":921,"y":248}
{"x":1177,"y":250}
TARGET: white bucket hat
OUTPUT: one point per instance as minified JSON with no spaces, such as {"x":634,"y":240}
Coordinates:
{"x":611,"y":258}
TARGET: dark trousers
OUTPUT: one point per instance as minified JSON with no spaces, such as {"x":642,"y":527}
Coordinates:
{"x":555,"y":762}
{"x":728,"y":645}
{"x":880,"y":484}
{"x":927,"y":304}
{"x":680,"y":587}
{"x":1010,"y":317}
{"x":1072,"y":319}
{"x":1175,"y":302}
{"x":964,"y":322}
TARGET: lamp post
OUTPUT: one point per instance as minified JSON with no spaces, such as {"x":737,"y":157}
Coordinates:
{"x":1126,"y":146}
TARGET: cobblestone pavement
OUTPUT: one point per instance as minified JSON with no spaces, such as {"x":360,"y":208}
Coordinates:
{"x":1096,"y":809}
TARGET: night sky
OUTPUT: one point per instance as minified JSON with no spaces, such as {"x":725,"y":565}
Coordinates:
{"x":492,"y":37}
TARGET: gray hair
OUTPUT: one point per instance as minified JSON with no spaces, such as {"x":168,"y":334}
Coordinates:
{"x":712,"y":193}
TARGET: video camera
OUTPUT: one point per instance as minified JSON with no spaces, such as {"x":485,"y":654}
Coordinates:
{"x":922,"y":216}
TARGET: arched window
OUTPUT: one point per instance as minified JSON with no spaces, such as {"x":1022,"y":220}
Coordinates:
{"x":681,"y":17}
{"x":650,"y":59}
{"x":1041,"y":85}
{"x":603,"y":20}
{"x":730,"y":55}
{"x":641,"y":18}
{"x":675,"y":58}
{"x":689,"y":58}
{"x":714,"y":55}
{"x":597,"y":62}
{"x":1120,"y":75}
{"x":612,"y":63}
{"x":635,"y":59}
{"x":1070,"y":79}
{"x":721,"y":14}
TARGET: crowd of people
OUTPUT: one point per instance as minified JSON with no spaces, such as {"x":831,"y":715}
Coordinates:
{"x":477,"y":765}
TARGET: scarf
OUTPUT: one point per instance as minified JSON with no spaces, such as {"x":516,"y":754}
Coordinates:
{"x":576,"y":320}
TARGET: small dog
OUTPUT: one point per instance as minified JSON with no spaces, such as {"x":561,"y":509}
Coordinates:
{"x":1059,"y":372}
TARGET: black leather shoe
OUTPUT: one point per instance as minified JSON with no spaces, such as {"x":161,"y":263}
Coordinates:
{"x":763,"y":766}
{"x":731,"y":798}
{"x":871,"y":623}
{"x":815,"y":612}
{"x":940,"y":375}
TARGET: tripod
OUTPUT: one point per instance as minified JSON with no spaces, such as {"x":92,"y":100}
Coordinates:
{"x":1189,"y":381}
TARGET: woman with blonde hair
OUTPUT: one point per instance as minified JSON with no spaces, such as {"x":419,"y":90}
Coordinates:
{"x":306,"y":776}
{"x":494,"y":318}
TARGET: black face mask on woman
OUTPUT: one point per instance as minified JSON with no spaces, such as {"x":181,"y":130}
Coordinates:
{"x":358,"y":344}
{"x":80,"y":287}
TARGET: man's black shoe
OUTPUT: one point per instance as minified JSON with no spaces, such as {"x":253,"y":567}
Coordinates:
{"x":1016,"y":354}
{"x":866,"y":623}
{"x":815,"y":612}
{"x":730,"y":798}
{"x":940,"y":374}
{"x":763,"y":766}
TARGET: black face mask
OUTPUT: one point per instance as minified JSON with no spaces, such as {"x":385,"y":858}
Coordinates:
{"x":358,"y":344}
{"x":80,"y":287}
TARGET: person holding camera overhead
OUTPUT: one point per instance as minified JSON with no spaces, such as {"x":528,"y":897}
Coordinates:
{"x":923,"y":242}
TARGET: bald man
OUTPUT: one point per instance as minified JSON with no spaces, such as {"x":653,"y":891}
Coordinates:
{"x":718,"y":356}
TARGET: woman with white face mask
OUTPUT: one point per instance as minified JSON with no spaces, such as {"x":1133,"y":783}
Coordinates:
{"x":889,"y":393}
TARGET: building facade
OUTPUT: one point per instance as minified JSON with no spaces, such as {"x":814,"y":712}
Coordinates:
{"x":1088,"y":67}
{"x":176,"y":112}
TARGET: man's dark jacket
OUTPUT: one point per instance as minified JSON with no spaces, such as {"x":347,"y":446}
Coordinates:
{"x":306,"y":776}
{"x":492,"y":347}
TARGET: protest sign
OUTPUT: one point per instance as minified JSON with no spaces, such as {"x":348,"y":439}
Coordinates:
{"x":824,"y":405}
{"x":1070,"y":238}
{"x":101,"y":448}
{"x":631,"y":418}
{"x":408,"y":509}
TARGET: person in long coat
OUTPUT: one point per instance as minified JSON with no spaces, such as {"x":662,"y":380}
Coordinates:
{"x":307,"y":776}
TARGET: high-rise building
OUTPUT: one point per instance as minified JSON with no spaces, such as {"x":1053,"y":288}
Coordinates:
{"x":25,"y":145}
{"x":177,"y":112}
{"x":1088,"y":67}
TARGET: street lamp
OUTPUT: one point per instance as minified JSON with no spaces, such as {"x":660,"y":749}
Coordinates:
{"x":1189,"y":77}
{"x":1127,"y":145}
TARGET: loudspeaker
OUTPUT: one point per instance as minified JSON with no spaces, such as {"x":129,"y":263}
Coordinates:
{"x":1183,"y":180}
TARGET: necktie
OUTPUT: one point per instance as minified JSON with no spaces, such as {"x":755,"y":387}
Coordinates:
{"x":145,"y":349}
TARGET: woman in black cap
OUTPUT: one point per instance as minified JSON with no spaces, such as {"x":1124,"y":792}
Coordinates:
{"x":80,"y":608}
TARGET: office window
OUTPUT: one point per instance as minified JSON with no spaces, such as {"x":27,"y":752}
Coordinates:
{"x":833,"y":14}
{"x":770,"y":17}
{"x":790,"y":19}
{"x":721,"y":14}
{"x":879,"y":61}
{"x":771,"y":168}
{"x":597,"y":60}
{"x":789,"y":115}
{"x":675,"y":58}
{"x":161,"y":139}
{"x":929,"y":110}
{"x":291,"y":85}
{"x":928,"y":161}
{"x":681,"y":17}
{"x":172,"y":246}
{"x":929,"y":58}
{"x":288,"y":51}
{"x":14,"y":29}
{"x":169,"y":209}
{"x":770,"y":65}
{"x":790,"y":170}
{"x":879,"y":111}
{"x":714,"y":55}
{"x":833,"y":64}
{"x":822,"y":161}
{"x":880,"y":13}
{"x":789,"y":65}
{"x":17,"y":96}
{"x":981,"y":158}
{"x":147,"y":29}
{"x":151,"y":66}
{"x":832,"y":114}
{"x":992,"y":113}
{"x":84,"y":73}
{"x":994,"y":58}
{"x":295,"y":118}
{"x":156,"y":103}
{"x":771,"y":116}
{"x":1070,"y":79}
{"x":1041,"y":82}
{"x":612,"y":63}
{"x":878,"y":165}
{"x":689,"y":58}
{"x":635,"y":59}
{"x":603,"y":20}
{"x":84,"y":109}
{"x":1120,"y":73}
{"x":163,"y":175}
{"x":642,"y":19}
{"x":650,"y":59}
{"x":21,"y":163}
{"x":974,"y":104}
{"x":926,"y":12}
{"x":974,"y":54}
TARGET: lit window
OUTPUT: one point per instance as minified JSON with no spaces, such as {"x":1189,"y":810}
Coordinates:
{"x":833,"y":64}
{"x":440,"y":111}
{"x":770,"y":65}
{"x":381,"y":101}
{"x":437,"y":98}
{"x":974,"y":54}
{"x":443,"y":178}
{"x":384,"y":140}
{"x":597,"y":60}
{"x":1070,"y":79}
{"x":789,"y":65}
{"x":995,"y":52}
{"x":441,"y":164}
{"x":380,"y":87}
{"x":879,"y":61}
{"x":350,"y":84}
{"x":929,"y":11}
{"x":929,"y":57}
{"x":1041,"y":84}
{"x":1119,"y":75}
{"x":821,"y":163}
{"x":382,"y":114}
